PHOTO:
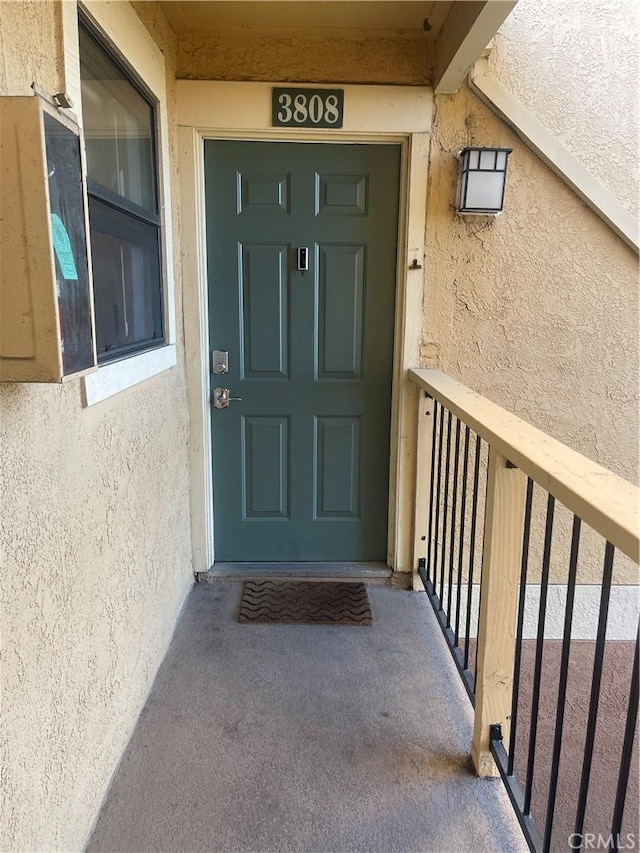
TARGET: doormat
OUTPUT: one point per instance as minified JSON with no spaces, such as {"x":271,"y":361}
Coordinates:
{"x":304,"y":603}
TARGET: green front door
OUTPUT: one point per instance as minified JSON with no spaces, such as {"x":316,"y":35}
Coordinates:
{"x":301,"y":461}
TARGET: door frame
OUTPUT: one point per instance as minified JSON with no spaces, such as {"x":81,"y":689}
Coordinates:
{"x":373,"y":114}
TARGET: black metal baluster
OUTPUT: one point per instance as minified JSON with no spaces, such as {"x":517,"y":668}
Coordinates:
{"x":524,"y":566}
{"x":562,"y":684}
{"x":537,"y":673}
{"x":445,"y":508}
{"x":433,"y":477}
{"x":463,"y":511}
{"x":472,"y":547}
{"x":627,"y":751}
{"x":454,"y":505}
{"x":595,"y":686}
{"x":437,"y":530}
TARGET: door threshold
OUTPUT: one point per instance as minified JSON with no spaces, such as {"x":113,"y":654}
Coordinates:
{"x":374,"y":572}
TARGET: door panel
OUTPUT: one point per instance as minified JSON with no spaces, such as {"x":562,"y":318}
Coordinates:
{"x":337,"y":467}
{"x":262,"y":193}
{"x":339,"y":312}
{"x":264,"y":277}
{"x":341,"y":195}
{"x":301,"y":462}
{"x":265,"y":467}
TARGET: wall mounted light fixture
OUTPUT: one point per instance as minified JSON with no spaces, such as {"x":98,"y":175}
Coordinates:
{"x":483,"y":176}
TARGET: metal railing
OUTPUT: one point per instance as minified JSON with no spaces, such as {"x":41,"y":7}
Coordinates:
{"x":454,"y":540}
{"x":504,"y":512}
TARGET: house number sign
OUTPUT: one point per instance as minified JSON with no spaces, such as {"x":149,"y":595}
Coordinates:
{"x":307,"y":107}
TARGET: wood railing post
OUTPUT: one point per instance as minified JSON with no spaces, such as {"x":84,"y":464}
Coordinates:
{"x":506,"y":494}
{"x":423,"y":483}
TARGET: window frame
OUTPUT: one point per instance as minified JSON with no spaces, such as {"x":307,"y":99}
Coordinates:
{"x":120,"y":26}
{"x":125,"y":206}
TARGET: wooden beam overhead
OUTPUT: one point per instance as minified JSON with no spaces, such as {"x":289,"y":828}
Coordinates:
{"x":407,"y":17}
{"x":468,"y":29}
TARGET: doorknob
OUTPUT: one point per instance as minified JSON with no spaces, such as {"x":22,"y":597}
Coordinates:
{"x":221,"y":398}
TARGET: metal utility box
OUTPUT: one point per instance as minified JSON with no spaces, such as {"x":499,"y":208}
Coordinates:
{"x":46,"y":298}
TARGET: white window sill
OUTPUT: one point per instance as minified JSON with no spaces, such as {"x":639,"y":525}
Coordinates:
{"x":111,"y":379}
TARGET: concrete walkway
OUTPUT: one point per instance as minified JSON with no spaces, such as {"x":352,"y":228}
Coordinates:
{"x":304,"y":738}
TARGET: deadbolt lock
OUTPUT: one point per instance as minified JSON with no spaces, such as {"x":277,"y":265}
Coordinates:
{"x":220,"y":361}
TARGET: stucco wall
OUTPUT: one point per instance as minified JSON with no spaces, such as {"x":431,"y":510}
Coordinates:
{"x":575,"y":65}
{"x":245,"y":55}
{"x":95,"y":550}
{"x":536,"y":309}
{"x":38,"y":57}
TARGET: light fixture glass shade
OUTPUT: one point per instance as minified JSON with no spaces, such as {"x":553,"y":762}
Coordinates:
{"x":483,"y":176}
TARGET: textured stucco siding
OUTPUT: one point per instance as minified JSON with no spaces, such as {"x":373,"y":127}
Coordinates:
{"x":536,"y":309}
{"x":38,"y":56}
{"x":575,"y":66}
{"x":96,"y":551}
{"x":231,"y":55}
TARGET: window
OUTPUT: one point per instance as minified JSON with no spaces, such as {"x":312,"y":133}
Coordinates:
{"x":119,"y":121}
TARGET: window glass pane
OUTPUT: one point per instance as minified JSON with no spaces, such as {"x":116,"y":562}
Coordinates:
{"x":126,"y":276}
{"x":70,"y":244}
{"x":118,"y":128}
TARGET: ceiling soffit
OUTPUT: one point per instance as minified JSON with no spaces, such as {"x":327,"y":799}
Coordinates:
{"x":408,"y":19}
{"x":454,"y":32}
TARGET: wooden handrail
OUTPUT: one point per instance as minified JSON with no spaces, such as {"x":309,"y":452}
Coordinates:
{"x":603,"y":500}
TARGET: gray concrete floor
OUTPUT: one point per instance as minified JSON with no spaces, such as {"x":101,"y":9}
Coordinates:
{"x":304,"y":738}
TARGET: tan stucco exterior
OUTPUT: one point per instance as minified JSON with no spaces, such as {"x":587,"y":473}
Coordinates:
{"x":537,"y":310}
{"x":96,"y":550}
{"x":38,"y":58}
{"x":249,"y":56}
{"x":575,"y":66}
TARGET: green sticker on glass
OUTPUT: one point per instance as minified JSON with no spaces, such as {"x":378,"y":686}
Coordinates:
{"x":62,"y":246}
